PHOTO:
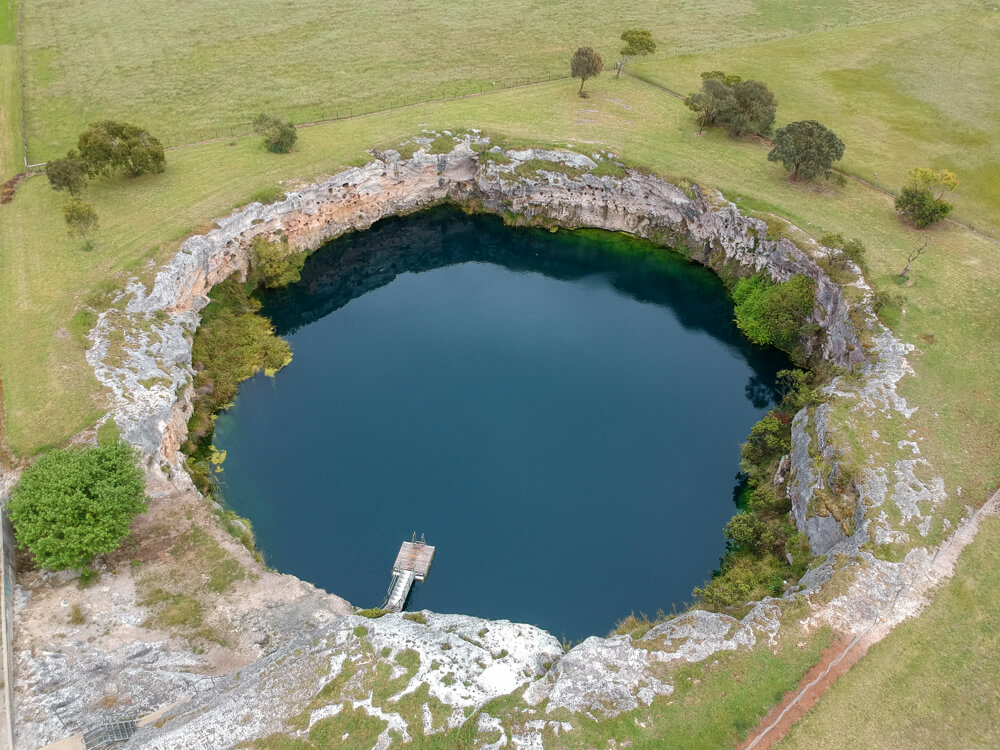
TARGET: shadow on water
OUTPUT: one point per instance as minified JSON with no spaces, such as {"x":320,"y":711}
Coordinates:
{"x":360,"y":262}
{"x":560,"y":413}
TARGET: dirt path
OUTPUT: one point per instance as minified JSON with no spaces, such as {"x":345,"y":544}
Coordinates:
{"x":842,"y":655}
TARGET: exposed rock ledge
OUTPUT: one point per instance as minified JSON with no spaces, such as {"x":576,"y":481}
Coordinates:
{"x":602,"y":676}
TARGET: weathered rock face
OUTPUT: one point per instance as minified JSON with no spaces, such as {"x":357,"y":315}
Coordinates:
{"x":441,"y":672}
{"x":433,"y":674}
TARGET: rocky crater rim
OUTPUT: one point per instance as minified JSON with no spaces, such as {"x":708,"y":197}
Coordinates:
{"x":150,"y":382}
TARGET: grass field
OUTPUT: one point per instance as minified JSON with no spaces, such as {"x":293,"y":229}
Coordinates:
{"x":191,"y":68}
{"x":932,"y":682}
{"x":918,"y":92}
{"x":11,"y":152}
{"x":914,"y":90}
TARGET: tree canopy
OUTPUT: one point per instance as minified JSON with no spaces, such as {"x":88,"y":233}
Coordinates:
{"x":111,"y":147}
{"x":80,"y":217}
{"x":922,"y":200}
{"x":585,"y":64}
{"x":807,"y":148}
{"x":742,"y":106}
{"x":938,"y":182}
{"x":68,"y":173}
{"x":74,"y":504}
{"x":279,"y":135}
{"x":638,"y":42}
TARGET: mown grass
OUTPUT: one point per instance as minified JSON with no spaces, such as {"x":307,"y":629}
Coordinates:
{"x":11,"y":149}
{"x":933,"y":682}
{"x":919,"y":92}
{"x":191,"y":70}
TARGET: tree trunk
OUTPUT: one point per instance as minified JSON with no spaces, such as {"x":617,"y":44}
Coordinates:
{"x":582,"y":81}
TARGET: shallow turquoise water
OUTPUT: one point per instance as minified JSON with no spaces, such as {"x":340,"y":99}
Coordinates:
{"x":559,"y":413}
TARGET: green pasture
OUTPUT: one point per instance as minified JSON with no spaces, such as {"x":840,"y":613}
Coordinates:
{"x":11,"y":151}
{"x":190,"y":69}
{"x":916,"y":92}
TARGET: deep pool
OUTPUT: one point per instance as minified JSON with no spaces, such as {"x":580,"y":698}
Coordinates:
{"x":559,"y":413}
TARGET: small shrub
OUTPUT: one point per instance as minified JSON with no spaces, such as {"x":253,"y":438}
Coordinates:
{"x":749,"y":533}
{"x":373,"y":613}
{"x":76,"y":616}
{"x":769,"y":439}
{"x":415,"y":617}
{"x":279,"y":135}
{"x":883,"y":300}
{"x":88,"y":577}
{"x":796,"y":390}
{"x":850,"y":250}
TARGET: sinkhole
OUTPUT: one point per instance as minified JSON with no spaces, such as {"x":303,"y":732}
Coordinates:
{"x":559,"y":413}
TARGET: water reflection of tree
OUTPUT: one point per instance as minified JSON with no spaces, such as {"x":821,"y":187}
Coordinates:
{"x":760,"y":393}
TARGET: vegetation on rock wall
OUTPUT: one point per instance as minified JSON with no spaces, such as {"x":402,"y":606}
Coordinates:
{"x":764,"y":549}
{"x":775,"y":314}
{"x":232,"y":343}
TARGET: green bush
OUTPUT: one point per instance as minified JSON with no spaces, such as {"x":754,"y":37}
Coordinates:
{"x":279,"y":135}
{"x":75,"y":504}
{"x":850,"y":250}
{"x":742,"y":579}
{"x":772,"y":313}
{"x":231,"y":344}
{"x":749,"y":533}
{"x":920,"y":206}
{"x":769,"y":439}
{"x":796,"y":390}
{"x":273,"y":265}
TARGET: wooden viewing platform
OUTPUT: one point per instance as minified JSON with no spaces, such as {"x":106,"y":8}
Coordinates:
{"x":412,"y":564}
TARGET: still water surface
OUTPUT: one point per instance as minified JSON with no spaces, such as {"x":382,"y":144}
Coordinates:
{"x":559,"y":413}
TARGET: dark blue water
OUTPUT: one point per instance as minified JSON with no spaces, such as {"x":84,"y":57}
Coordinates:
{"x":559,"y":413}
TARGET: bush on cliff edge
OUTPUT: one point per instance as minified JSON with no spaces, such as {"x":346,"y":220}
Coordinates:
{"x":75,"y":504}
